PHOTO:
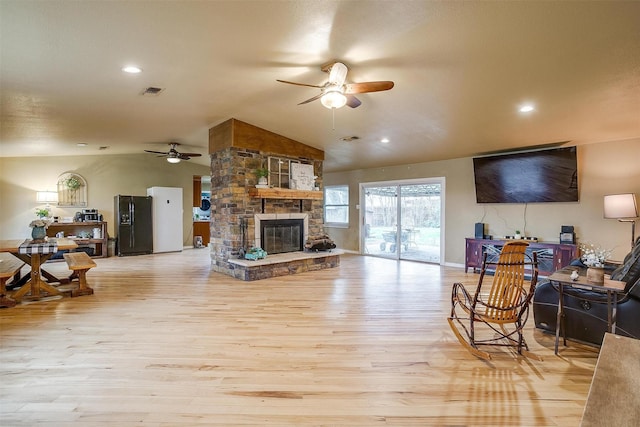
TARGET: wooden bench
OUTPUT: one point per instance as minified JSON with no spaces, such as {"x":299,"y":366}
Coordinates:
{"x":80,"y":263}
{"x":9,"y":267}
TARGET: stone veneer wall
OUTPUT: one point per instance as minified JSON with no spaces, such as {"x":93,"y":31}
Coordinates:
{"x":232,"y":174}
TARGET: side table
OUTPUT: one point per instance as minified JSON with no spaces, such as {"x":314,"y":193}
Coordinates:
{"x":610,"y":287}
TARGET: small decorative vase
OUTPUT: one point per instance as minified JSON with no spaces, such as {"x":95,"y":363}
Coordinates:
{"x":595,"y":275}
{"x":262,"y":181}
{"x":38,"y":233}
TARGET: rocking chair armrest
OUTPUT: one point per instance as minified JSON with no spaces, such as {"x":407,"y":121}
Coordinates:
{"x":459,"y":287}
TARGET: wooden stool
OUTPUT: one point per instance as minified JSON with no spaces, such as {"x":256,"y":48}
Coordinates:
{"x":80,"y":263}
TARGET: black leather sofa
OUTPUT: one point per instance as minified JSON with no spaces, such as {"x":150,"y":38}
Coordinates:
{"x":586,"y":311}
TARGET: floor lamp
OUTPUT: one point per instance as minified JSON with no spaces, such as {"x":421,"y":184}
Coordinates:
{"x":622,"y":207}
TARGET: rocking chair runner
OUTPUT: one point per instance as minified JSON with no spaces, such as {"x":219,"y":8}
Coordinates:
{"x":504,"y":308}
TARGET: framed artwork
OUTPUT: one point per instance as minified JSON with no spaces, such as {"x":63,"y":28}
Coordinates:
{"x":302,"y":177}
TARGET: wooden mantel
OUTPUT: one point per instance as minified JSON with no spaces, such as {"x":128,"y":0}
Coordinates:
{"x":284,"y":193}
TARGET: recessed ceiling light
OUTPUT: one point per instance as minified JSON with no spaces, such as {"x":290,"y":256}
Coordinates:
{"x":385,"y":140}
{"x":527,"y":108}
{"x":82,"y":144}
{"x":132,"y":69}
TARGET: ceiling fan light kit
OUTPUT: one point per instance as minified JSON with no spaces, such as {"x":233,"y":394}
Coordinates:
{"x":333,"y":99}
{"x":173,"y":156}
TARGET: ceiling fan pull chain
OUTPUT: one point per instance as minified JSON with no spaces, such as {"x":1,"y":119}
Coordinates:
{"x":333,"y":118}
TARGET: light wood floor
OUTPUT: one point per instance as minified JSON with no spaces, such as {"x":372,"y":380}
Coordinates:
{"x":166,"y":342}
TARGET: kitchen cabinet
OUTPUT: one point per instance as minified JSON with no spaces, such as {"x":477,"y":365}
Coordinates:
{"x":197,"y":190}
{"x":201,"y":228}
{"x":83,"y":234}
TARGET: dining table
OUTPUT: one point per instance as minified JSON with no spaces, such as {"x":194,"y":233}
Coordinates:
{"x":35,"y":253}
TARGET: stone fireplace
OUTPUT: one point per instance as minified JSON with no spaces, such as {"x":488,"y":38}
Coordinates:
{"x":238,"y":208}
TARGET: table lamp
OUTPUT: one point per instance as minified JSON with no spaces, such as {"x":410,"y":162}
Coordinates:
{"x":46,"y":197}
{"x":622,"y":207}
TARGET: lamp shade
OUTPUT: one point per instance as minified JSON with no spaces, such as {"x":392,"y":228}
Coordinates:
{"x":46,"y":196}
{"x":173,"y":159}
{"x":333,"y":99}
{"x":620,"y":206}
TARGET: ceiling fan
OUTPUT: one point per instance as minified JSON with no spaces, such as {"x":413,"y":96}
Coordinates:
{"x":335,"y":93}
{"x":173,"y":156}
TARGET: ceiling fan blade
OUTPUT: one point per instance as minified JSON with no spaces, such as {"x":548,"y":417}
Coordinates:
{"x":312,"y":99}
{"x":353,"y":102}
{"x":157,"y":152}
{"x":367,"y":87}
{"x":191,"y":154}
{"x":299,"y":84}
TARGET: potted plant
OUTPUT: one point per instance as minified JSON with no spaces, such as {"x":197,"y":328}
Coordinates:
{"x":39,"y":226}
{"x":517,"y":236}
{"x":262,"y":174}
{"x":42,"y":213}
{"x":595,"y":259}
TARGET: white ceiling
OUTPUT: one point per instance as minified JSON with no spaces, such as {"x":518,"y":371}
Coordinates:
{"x":460,"y":69}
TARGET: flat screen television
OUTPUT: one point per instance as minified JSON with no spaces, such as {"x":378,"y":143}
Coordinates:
{"x":527,"y":177}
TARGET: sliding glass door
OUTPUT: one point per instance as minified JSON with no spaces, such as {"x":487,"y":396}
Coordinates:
{"x":402,"y":220}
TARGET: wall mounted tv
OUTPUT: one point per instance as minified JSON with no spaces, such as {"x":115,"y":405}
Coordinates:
{"x":527,"y":177}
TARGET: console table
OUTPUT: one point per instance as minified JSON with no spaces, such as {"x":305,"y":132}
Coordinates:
{"x":551,"y":256}
{"x":82,"y":234}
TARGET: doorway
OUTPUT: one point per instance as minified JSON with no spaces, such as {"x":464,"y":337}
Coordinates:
{"x":403,"y":219}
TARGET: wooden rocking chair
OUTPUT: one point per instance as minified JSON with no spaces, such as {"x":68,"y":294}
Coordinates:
{"x":504,"y":308}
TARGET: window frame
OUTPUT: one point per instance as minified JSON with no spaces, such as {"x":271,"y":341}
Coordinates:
{"x":279,"y":175}
{"x":325,"y":205}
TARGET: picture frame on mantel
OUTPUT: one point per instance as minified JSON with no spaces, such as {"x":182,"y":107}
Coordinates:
{"x":302,"y":177}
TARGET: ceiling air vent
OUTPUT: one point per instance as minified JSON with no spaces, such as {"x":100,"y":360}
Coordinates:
{"x":349,"y":138}
{"x":152,"y":91}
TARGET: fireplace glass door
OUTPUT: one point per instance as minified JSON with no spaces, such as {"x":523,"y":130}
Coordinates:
{"x":282,"y":235}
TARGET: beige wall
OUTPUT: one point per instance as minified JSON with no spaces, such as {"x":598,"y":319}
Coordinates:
{"x":604,"y":168}
{"x":106,"y":176}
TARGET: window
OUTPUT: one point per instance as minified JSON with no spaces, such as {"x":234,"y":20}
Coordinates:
{"x":336,"y":205}
{"x":279,"y":169}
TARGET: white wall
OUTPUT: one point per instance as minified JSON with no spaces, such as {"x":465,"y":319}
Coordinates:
{"x":106,"y":176}
{"x":604,"y":168}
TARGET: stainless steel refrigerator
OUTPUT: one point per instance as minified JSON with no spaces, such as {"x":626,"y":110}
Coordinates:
{"x":133,"y":225}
